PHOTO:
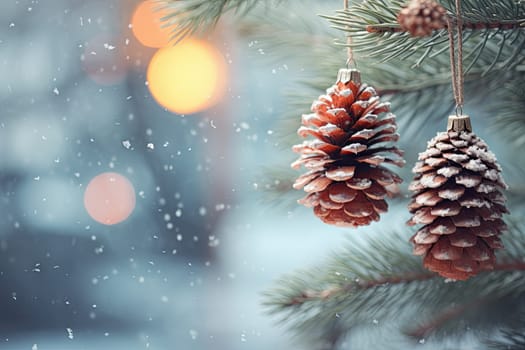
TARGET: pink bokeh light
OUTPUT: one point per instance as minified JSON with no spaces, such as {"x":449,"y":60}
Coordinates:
{"x":109,"y":198}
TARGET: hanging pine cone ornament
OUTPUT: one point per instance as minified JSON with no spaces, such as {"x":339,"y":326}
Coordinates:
{"x":421,"y":17}
{"x":457,"y":197}
{"x":353,"y":132}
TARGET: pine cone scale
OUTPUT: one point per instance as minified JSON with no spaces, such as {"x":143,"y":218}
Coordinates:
{"x":340,"y":193}
{"x":443,"y":250}
{"x":327,"y":203}
{"x":463,"y":239}
{"x":464,"y":265}
{"x":493,"y":242}
{"x":341,"y":173}
{"x":446,"y":208}
{"x":359,"y":183}
{"x":451,"y":192}
{"x":424,"y":236}
{"x":317,"y":185}
{"x":359,"y":207}
{"x":442,"y":226}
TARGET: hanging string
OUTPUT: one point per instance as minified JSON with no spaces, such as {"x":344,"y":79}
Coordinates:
{"x":349,"y":52}
{"x":457,"y":66}
{"x":459,"y":22}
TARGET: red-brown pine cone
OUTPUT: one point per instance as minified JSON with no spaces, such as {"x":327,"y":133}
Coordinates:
{"x":457,"y":198}
{"x":421,"y":17}
{"x":346,"y":182}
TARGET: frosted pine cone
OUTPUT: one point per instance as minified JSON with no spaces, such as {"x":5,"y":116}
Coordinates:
{"x":346,"y":182}
{"x":421,"y":17}
{"x":457,"y":198}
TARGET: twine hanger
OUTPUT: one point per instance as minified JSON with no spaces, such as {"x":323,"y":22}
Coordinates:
{"x":349,"y":52}
{"x":349,"y":74}
{"x":457,"y":65}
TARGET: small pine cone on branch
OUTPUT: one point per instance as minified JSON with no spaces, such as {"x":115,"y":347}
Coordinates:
{"x":421,"y":17}
{"x":346,"y":182}
{"x":457,"y":197}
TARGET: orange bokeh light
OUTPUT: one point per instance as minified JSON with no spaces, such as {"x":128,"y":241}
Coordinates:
{"x":109,"y":198}
{"x":147,"y":25}
{"x":188,"y":77}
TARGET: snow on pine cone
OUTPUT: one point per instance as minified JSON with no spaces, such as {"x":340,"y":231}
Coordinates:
{"x":457,"y":198}
{"x":421,"y":17}
{"x":346,"y":182}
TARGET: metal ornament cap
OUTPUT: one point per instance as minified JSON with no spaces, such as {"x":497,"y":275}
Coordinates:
{"x":345,"y":75}
{"x":459,"y":123}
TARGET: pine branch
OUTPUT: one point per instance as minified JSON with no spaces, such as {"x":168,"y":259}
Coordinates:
{"x":491,"y":24}
{"x":380,"y":279}
{"x":511,"y":339}
{"x":275,"y":183}
{"x":374,"y":22}
{"x":310,"y":295}
{"x":508,"y":109}
{"x":189,"y":17}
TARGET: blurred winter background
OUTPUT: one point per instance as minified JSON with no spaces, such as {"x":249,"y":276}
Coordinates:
{"x":187,"y":268}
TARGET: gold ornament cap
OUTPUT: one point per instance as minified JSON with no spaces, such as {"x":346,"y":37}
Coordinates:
{"x":346,"y":74}
{"x":459,"y":123}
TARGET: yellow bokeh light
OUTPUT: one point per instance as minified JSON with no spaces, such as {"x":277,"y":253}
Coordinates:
{"x":109,"y":198}
{"x":147,"y":25}
{"x":188,"y":77}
